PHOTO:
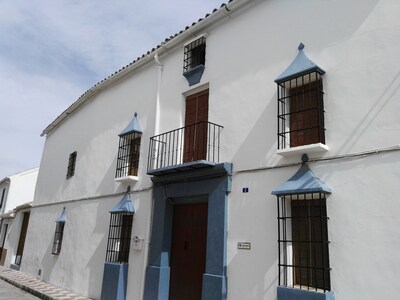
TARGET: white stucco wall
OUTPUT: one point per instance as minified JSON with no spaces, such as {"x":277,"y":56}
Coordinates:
{"x":356,"y":43}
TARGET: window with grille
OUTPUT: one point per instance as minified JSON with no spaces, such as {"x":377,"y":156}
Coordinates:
{"x":303,"y":242}
{"x":301,"y":111}
{"x":128,"y":155}
{"x":71,"y":164}
{"x":58,"y":237}
{"x":2,"y":197}
{"x":119,"y":238}
{"x":195,"y":54}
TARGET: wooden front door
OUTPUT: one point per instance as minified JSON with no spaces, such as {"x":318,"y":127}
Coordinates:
{"x":188,"y":252}
{"x":196,"y":117}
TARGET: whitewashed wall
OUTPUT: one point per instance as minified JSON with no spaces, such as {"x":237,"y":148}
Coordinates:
{"x":356,"y":43}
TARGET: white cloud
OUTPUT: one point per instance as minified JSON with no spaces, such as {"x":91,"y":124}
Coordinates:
{"x":51,"y":52}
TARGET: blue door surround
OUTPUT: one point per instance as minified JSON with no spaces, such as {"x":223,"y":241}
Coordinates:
{"x":208,"y":184}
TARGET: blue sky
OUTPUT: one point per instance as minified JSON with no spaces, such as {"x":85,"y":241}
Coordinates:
{"x":51,"y":52}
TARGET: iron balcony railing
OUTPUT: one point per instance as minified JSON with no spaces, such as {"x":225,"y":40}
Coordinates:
{"x":199,"y":141}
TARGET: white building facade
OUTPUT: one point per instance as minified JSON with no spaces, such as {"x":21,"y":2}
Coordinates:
{"x":16,"y":197}
{"x":254,"y":155}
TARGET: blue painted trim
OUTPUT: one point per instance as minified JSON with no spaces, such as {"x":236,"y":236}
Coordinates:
{"x":132,"y":127}
{"x":299,"y":66}
{"x":209,"y":184}
{"x":115,"y":281}
{"x":304,"y":181}
{"x":286,"y":293}
{"x":188,"y":166}
{"x":193,"y":76}
{"x":124,"y":206}
{"x":62,"y":218}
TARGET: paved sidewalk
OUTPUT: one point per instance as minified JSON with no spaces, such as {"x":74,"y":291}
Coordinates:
{"x":34,"y":286}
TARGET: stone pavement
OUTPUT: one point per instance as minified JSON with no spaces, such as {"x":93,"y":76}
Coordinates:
{"x":34,"y":286}
{"x":10,"y":292}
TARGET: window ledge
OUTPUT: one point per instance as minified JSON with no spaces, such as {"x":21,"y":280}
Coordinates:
{"x":287,"y":293}
{"x":193,"y":75}
{"x":127,"y":179}
{"x":317,"y":148}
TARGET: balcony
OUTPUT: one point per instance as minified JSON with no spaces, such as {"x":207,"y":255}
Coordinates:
{"x":186,"y":148}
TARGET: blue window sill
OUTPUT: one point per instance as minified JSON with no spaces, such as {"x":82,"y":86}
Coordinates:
{"x":286,"y":293}
{"x":193,"y":76}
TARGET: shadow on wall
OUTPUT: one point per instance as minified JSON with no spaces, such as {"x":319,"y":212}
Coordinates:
{"x":260,"y":144}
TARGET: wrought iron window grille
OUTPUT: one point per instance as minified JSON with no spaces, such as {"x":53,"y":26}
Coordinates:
{"x":58,"y":236}
{"x":71,"y":164}
{"x":128,"y":155}
{"x":194,"y":54}
{"x":303,"y":244}
{"x":301,"y":111}
{"x":119,"y":237}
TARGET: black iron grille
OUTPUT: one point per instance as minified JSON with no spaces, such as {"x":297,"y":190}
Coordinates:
{"x":71,"y":164}
{"x":58,"y":237}
{"x":303,"y":243}
{"x":195,"y":54}
{"x":301,"y":111}
{"x":119,"y":238}
{"x":199,"y":141}
{"x":128,"y":155}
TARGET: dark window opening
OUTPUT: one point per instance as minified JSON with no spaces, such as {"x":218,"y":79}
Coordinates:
{"x":128,"y":155}
{"x":119,"y":238}
{"x":301,"y":111}
{"x":58,"y":237}
{"x":71,"y":165}
{"x":195,"y":54}
{"x":303,"y":242}
{"x":2,"y":197}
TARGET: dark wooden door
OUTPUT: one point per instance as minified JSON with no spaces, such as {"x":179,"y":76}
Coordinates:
{"x":22,"y":236}
{"x":196,"y":117}
{"x":188,"y":253}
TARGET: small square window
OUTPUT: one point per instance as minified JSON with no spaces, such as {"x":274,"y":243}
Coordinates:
{"x":71,"y":164}
{"x":195,"y":54}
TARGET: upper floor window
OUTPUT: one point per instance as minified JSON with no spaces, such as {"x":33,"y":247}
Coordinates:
{"x":3,"y":193}
{"x":71,"y":164}
{"x":300,"y":104}
{"x":194,"y":60}
{"x":195,"y":54}
{"x":129,"y":150}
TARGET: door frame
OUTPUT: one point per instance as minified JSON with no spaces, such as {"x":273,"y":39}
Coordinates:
{"x":211,"y":184}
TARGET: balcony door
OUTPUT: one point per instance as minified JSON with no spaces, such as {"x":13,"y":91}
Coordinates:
{"x":196,"y":118}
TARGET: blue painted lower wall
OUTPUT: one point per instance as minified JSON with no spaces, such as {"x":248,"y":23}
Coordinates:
{"x":286,"y":293}
{"x":115,"y":279}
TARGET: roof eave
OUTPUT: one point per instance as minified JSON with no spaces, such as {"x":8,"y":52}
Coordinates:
{"x":193,"y":30}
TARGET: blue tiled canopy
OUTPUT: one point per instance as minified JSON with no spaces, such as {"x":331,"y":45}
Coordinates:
{"x":300,"y":65}
{"x":304,"y":181}
{"x":124,"y":206}
{"x":62,"y":218}
{"x":133,"y":127}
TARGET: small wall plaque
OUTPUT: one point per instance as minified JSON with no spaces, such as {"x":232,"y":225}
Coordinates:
{"x":244,"y":245}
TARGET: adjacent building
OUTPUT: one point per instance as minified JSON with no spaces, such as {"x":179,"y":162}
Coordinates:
{"x":253,"y":155}
{"x":16,"y":192}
